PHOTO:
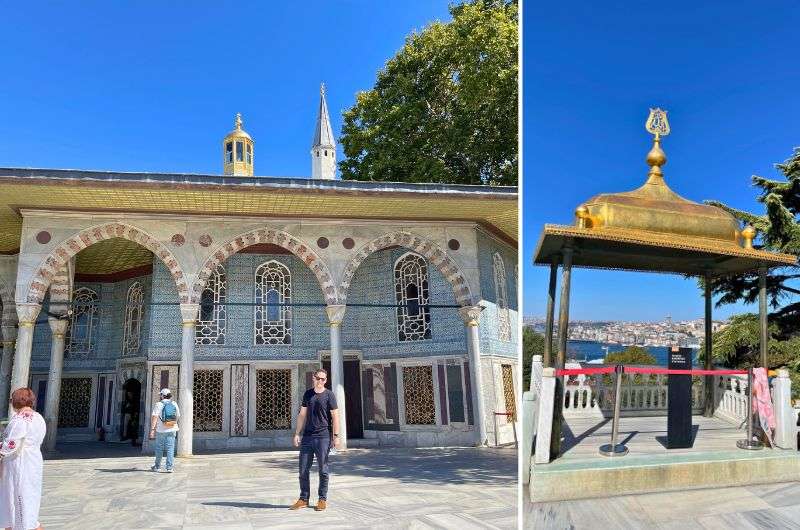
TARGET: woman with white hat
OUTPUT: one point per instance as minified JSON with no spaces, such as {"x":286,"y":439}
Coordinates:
{"x":21,"y":464}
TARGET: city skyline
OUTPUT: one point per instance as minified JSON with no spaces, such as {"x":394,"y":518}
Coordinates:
{"x":584,"y":127}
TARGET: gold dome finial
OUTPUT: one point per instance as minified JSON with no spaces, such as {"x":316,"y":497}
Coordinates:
{"x":748,"y":234}
{"x":658,"y":126}
{"x":238,"y":122}
{"x":322,"y":89}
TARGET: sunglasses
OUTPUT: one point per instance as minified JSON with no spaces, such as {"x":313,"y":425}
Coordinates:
{"x":320,"y":378}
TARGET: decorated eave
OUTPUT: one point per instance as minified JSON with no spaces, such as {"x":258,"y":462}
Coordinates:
{"x":493,"y":208}
{"x":653,"y":229}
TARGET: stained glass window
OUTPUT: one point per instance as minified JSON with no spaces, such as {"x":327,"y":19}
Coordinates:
{"x":134,"y":309}
{"x":273,"y":298}
{"x":81,"y":329}
{"x":411,"y":292}
{"x":501,"y":293}
{"x":212,"y":320}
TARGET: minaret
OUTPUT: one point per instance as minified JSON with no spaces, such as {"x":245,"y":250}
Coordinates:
{"x":237,"y":151}
{"x":323,"y":148}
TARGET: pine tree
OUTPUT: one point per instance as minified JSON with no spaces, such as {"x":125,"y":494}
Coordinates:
{"x":779,"y":231}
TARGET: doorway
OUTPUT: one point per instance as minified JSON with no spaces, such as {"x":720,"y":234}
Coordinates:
{"x":129,"y":423}
{"x":352,"y":396}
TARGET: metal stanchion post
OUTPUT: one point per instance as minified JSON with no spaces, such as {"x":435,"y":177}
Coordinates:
{"x":749,"y":443}
{"x":615,"y":449}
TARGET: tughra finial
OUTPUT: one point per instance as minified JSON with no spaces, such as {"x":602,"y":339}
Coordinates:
{"x":748,"y":234}
{"x":322,"y":89}
{"x":238,"y":122}
{"x":658,"y":126}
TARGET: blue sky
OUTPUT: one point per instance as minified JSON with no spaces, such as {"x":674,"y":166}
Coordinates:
{"x":119,"y":86}
{"x":726,"y":72}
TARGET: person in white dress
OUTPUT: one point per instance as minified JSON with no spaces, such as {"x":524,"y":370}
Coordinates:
{"x":21,"y":464}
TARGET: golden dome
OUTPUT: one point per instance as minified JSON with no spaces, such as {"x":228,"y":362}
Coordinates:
{"x":237,"y":131}
{"x":654,"y":207}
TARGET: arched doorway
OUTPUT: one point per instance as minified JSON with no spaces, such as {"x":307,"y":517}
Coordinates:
{"x":131,"y":399}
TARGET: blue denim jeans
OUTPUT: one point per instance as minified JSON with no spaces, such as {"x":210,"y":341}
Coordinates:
{"x":165,"y":441}
{"x":309,"y":448}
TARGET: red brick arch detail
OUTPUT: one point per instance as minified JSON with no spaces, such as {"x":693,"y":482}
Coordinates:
{"x":280,"y":238}
{"x":432,"y":252}
{"x":61,"y":254}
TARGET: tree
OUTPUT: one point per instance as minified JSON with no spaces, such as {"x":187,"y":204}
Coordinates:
{"x":532,"y":344}
{"x":737,"y":344}
{"x":444,"y":109}
{"x":631,"y":355}
{"x":779,"y":230}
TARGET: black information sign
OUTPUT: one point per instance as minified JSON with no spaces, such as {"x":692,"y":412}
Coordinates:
{"x":679,"y":411}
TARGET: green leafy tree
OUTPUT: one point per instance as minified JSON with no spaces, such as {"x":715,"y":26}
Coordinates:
{"x":631,"y":355}
{"x":737,"y":344}
{"x":532,"y":344}
{"x":444,"y":109}
{"x":779,"y":230}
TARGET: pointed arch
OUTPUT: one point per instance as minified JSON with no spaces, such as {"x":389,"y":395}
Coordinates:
{"x":274,"y":237}
{"x":61,"y":254}
{"x":432,"y":252}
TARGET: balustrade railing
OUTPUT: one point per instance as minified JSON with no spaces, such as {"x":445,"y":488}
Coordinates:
{"x":641,"y":394}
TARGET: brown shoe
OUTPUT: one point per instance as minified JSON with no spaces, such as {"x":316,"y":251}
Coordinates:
{"x":321,"y":505}
{"x":299,"y":504}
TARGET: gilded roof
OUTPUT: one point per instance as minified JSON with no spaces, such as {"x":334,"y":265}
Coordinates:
{"x":495,"y":208}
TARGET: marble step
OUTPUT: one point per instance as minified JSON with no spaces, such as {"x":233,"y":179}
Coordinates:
{"x":593,"y":478}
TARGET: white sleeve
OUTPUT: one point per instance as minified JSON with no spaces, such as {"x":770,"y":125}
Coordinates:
{"x":157,"y":409}
{"x":13,"y":437}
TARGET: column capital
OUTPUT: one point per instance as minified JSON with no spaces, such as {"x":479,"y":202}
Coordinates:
{"x":27,"y":313}
{"x":189,"y":314}
{"x":58,"y":326}
{"x":470,"y":314}
{"x":335,"y":314}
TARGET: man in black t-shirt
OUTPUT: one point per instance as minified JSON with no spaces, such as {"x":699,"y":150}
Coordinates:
{"x":318,"y":417}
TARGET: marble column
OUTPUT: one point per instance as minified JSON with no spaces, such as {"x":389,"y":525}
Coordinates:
{"x":58,"y":327}
{"x":9,"y":331}
{"x":563,"y":313}
{"x":708,"y":387}
{"x":470,"y":315}
{"x":186,"y":379}
{"x":20,"y":375}
{"x":335,"y":317}
{"x":762,"y":317}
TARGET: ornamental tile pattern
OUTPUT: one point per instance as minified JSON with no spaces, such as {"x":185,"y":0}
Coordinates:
{"x":273,"y":400}
{"x":418,"y":395}
{"x":75,"y":402}
{"x":240,"y":387}
{"x":60,"y":255}
{"x":429,"y":250}
{"x":208,"y":400}
{"x":273,"y":237}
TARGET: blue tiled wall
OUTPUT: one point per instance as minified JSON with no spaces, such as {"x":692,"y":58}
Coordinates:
{"x":309,"y":323}
{"x":490,"y":342}
{"x":107,"y":331}
{"x":374,"y":330}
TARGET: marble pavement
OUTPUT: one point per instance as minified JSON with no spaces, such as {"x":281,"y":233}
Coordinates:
{"x":101,"y":486}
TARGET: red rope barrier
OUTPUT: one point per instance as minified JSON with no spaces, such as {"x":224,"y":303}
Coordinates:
{"x":585,"y":371}
{"x":637,"y":370}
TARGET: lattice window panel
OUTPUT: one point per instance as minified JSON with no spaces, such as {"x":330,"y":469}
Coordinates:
{"x":411,"y":293}
{"x":80,"y":340}
{"x":208,"y":400}
{"x":418,"y":395}
{"x":508,"y":391}
{"x":273,"y":298}
{"x":501,"y":292}
{"x":273,"y":400}
{"x":134,"y":310}
{"x":211,"y":325}
{"x":75,"y":402}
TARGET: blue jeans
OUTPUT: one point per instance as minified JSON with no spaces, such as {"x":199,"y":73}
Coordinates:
{"x":309,"y":448}
{"x":165,"y":441}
